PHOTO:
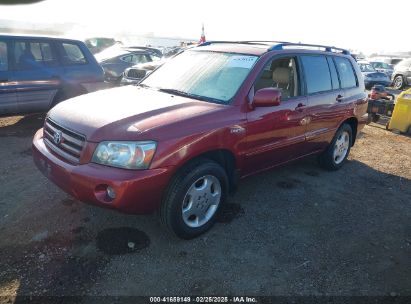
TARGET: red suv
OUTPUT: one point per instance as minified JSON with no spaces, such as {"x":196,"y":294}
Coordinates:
{"x":180,"y":140}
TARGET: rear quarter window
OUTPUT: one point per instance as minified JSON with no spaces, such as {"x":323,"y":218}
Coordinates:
{"x":72,"y":54}
{"x":346,"y":72}
{"x":317,"y":74}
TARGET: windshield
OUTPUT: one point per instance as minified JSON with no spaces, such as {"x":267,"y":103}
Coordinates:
{"x":210,"y":76}
{"x":365,"y":67}
{"x":381,"y":65}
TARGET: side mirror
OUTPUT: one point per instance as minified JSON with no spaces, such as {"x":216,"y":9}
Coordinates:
{"x":267,"y":97}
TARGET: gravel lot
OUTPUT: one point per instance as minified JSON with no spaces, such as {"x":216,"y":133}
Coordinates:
{"x":296,"y":230}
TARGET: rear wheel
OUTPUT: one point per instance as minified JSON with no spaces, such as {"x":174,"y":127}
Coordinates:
{"x":193,"y":198}
{"x":398,"y":82}
{"x":337,"y":152}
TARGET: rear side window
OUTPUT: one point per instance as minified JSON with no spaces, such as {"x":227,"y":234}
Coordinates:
{"x":72,"y":54}
{"x":33,"y":55}
{"x":346,"y":71}
{"x":4,"y":63}
{"x":317,"y":74}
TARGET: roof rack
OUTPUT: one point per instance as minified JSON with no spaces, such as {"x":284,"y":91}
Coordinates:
{"x":233,"y":42}
{"x":279,"y":45}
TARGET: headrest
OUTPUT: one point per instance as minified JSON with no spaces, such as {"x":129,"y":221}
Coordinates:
{"x":281,"y":75}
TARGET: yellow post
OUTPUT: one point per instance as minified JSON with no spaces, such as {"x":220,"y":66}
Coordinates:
{"x":401,"y":117}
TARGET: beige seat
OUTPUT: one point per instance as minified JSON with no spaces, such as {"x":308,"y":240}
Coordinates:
{"x":281,"y":79}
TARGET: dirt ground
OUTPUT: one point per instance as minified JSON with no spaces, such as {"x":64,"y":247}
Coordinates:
{"x":295,"y":230}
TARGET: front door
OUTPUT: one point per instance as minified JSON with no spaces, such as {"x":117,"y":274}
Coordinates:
{"x":277,"y":134}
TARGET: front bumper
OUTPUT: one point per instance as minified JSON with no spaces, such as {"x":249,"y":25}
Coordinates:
{"x":137,"y":192}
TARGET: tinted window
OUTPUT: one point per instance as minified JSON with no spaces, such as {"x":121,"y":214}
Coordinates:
{"x":281,"y":74}
{"x":33,"y":55}
{"x":4,"y":65}
{"x":72,"y":54}
{"x":317,"y":74}
{"x":334,"y":75}
{"x":346,"y":71}
{"x":127,"y":58}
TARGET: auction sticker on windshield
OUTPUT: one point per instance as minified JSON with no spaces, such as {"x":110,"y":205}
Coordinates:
{"x":241,"y":61}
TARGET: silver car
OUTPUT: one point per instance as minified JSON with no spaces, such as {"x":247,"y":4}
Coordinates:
{"x":401,"y":76}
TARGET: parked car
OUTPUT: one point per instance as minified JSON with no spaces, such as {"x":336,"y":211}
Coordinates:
{"x":401,"y":76}
{"x":182,"y":139}
{"x":137,"y":72}
{"x":115,"y":60}
{"x":98,"y":44}
{"x":38,"y":72}
{"x":382,"y":67}
{"x":371,"y":76}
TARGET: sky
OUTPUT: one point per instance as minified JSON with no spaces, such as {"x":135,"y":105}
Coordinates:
{"x":368,"y":26}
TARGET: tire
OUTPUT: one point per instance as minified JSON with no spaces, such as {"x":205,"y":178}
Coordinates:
{"x":328,"y":158}
{"x":184,"y":193}
{"x":398,"y":83}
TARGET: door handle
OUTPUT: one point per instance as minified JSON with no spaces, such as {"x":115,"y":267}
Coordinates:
{"x":339,"y":98}
{"x":300,"y":107}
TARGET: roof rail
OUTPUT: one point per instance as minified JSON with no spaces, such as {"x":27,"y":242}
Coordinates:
{"x":281,"y":45}
{"x":235,"y":42}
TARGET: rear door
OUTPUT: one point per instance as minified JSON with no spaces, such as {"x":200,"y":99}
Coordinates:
{"x":8,"y":97}
{"x":36,"y":74}
{"x":277,"y":134}
{"x":324,"y":96}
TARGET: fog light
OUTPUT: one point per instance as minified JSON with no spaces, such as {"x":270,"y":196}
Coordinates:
{"x":111,"y":193}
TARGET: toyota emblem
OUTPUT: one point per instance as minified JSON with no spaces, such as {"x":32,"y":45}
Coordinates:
{"x":57,"y":137}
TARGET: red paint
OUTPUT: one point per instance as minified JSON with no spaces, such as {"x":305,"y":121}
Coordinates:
{"x":258,"y":137}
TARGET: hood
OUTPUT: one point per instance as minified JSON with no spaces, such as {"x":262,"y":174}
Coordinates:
{"x":374,"y":74}
{"x":125,"y":113}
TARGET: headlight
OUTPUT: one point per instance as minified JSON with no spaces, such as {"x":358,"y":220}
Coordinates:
{"x":125,"y":154}
{"x":406,"y":96}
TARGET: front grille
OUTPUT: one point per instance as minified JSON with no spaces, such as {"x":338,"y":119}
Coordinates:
{"x":69,"y":146}
{"x":135,"y":73}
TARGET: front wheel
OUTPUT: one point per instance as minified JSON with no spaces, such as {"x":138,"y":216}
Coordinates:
{"x":398,"y":82}
{"x":337,"y":152}
{"x":193,"y":198}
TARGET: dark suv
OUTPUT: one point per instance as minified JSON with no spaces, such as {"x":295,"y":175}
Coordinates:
{"x":38,"y":72}
{"x":184,"y":137}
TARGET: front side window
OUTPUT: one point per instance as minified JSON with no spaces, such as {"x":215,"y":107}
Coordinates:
{"x":72,"y":54}
{"x":317,"y":74}
{"x":281,"y":74}
{"x":33,"y":55}
{"x":4,"y":60}
{"x":210,"y":76}
{"x":346,"y":72}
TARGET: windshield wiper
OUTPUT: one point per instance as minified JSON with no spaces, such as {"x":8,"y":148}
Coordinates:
{"x":143,"y":85}
{"x":185,"y":94}
{"x":175,"y":92}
